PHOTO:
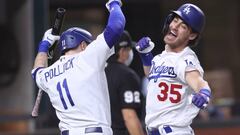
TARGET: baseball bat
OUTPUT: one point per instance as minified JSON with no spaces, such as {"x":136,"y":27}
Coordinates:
{"x":57,"y":24}
{"x":35,"y":109}
{"x":56,"y":28}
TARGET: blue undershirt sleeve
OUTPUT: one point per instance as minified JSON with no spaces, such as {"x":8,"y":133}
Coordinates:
{"x":115,"y":25}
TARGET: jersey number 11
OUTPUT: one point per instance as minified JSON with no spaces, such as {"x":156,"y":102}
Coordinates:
{"x":65,"y":87}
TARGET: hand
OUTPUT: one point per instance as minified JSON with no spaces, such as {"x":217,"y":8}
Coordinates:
{"x":47,"y":41}
{"x":202,"y":98}
{"x":108,"y":4}
{"x":144,"y":45}
{"x":49,"y":37}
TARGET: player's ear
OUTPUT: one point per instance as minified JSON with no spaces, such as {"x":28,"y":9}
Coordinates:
{"x":83,"y":45}
{"x":193,"y":36}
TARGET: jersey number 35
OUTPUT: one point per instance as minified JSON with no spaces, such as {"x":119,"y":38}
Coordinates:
{"x":169,"y":91}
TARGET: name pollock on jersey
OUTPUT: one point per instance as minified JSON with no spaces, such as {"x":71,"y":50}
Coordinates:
{"x":161,"y":71}
{"x":60,"y":69}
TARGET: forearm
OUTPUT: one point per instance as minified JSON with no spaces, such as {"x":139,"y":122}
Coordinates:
{"x":47,"y":41}
{"x":146,"y":70}
{"x":202,"y":85}
{"x":196,"y":82}
{"x":202,"y":93}
{"x":41,"y":60}
{"x":132,"y":122}
{"x":115,"y":25}
{"x":146,"y":61}
{"x":134,"y":127}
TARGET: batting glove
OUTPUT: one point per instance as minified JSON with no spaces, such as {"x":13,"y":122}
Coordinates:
{"x":145,"y":45}
{"x":201,"y":99}
{"x":109,"y":3}
{"x":48,"y":40}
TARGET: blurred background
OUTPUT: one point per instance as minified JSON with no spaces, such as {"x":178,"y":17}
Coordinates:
{"x":23,"y":23}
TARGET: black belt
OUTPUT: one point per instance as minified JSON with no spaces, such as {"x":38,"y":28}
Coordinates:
{"x":87,"y":130}
{"x":155,"y":131}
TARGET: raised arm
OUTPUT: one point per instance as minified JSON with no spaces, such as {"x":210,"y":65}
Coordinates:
{"x":42,"y":58}
{"x":116,"y":22}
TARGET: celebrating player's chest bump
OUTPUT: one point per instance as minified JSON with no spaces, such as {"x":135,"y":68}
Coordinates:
{"x":176,"y":89}
{"x":76,"y":82}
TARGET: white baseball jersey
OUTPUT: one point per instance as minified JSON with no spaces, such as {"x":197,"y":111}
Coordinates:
{"x":77,"y":87}
{"x":169,"y":96}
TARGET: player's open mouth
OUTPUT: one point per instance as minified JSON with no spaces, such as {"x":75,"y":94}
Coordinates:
{"x":172,"y":33}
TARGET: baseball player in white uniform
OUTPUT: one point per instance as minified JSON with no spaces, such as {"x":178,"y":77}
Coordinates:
{"x":76,"y":83}
{"x":176,"y":89}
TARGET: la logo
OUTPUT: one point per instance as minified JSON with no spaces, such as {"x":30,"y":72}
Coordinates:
{"x":186,"y":10}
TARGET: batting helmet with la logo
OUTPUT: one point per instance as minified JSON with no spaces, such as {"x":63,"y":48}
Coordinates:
{"x":190,"y":14}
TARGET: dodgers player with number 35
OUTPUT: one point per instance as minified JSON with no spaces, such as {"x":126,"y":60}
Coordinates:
{"x":76,"y":83}
{"x":175,"y":75}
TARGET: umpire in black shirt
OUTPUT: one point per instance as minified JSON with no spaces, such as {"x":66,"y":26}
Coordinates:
{"x":124,"y":88}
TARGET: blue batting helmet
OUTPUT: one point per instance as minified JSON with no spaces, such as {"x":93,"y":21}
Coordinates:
{"x":190,"y":14}
{"x":72,"y":37}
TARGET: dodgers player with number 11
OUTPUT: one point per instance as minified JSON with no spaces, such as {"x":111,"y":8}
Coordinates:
{"x":76,"y":83}
{"x":176,"y":89}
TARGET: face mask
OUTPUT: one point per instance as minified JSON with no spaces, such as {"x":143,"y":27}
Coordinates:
{"x":130,"y":58}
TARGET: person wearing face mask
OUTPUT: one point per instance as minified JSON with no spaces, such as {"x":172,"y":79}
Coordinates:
{"x":124,"y":89}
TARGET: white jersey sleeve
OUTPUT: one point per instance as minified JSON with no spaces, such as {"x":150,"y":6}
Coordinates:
{"x":98,"y":52}
{"x":39,"y":79}
{"x":189,"y":62}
